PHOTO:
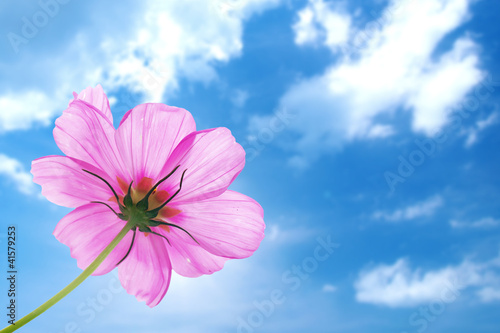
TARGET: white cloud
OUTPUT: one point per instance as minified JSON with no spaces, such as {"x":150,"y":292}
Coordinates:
{"x":239,"y":98}
{"x":289,"y":235}
{"x":481,"y":125}
{"x":487,"y":222}
{"x":398,"y":285}
{"x":489,"y":294}
{"x":15,"y":173}
{"x":492,"y":119}
{"x":176,"y":39}
{"x":159,"y":43}
{"x":380,"y":131}
{"x":396,"y":69}
{"x":329,"y":288}
{"x":420,"y":209}
{"x":305,"y":29}
{"x":219,"y":299}
{"x":21,"y":111}
{"x":319,"y":23}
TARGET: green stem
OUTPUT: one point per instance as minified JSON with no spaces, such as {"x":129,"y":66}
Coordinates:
{"x":85,"y":274}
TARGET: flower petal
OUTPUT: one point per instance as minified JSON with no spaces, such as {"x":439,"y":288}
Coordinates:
{"x":148,"y":134}
{"x":191,"y":260}
{"x":65,"y":183}
{"x":83,"y":132}
{"x":87,"y":231}
{"x":212,"y":159}
{"x":97,"y":98}
{"x":147,"y":270}
{"x":230,"y":225}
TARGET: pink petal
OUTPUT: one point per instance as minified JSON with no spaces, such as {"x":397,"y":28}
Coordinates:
{"x":148,"y":134}
{"x":191,"y":260}
{"x":230,"y":225}
{"x":87,"y":231}
{"x":212,"y":158}
{"x":65,"y":183}
{"x":84,"y":133}
{"x":147,"y":270}
{"x":97,"y":98}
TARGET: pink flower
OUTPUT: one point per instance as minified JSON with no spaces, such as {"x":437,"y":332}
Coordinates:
{"x":190,"y":222}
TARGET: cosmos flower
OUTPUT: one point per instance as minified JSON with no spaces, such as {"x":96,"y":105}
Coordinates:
{"x":160,"y":175}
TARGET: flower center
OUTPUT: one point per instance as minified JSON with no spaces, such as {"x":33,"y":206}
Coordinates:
{"x":144,"y":207}
{"x":155,"y":200}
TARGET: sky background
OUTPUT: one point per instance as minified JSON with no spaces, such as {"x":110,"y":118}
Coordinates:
{"x":369,"y":125}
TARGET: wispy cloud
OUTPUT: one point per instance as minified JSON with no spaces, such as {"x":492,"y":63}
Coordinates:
{"x":420,"y":209}
{"x":164,"y":42}
{"x":16,"y":175}
{"x":486,"y":222}
{"x":473,"y":132}
{"x":395,"y":69}
{"x":320,"y":23}
{"x":489,"y":294}
{"x":239,"y":98}
{"x":398,"y":285}
{"x":291,"y":235}
{"x":23,"y":110}
{"x":329,"y":288}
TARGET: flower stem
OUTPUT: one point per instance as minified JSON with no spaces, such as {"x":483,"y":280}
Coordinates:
{"x":85,"y":274}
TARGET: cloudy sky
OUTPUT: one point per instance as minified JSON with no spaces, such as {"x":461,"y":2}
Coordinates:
{"x":371,"y":134}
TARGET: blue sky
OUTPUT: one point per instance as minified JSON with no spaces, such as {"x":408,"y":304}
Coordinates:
{"x":371,"y":126}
